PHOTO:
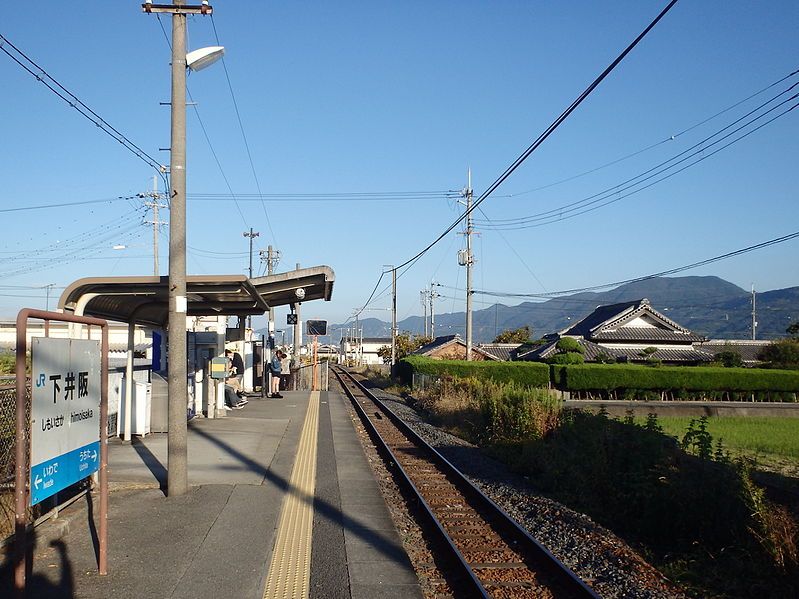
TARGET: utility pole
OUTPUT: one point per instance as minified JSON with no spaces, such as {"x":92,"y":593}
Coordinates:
{"x":48,"y":288}
{"x":271,"y":257}
{"x":754,"y":314}
{"x":297,"y":326}
{"x":433,"y":296}
{"x":393,"y":317}
{"x":177,"y":455}
{"x":155,"y":205}
{"x":252,"y":235}
{"x":423,"y":298}
{"x":468,"y":261}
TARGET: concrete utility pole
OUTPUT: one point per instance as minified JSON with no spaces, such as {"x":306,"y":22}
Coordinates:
{"x":47,"y":301}
{"x":433,"y":296}
{"x":177,"y":452}
{"x":357,"y":348}
{"x":272,"y":259}
{"x":177,"y":455}
{"x":754,"y":314}
{"x":252,"y":235}
{"x":155,"y":205}
{"x":297,"y":326}
{"x":423,"y":298}
{"x":393,"y":317}
{"x":469,"y":261}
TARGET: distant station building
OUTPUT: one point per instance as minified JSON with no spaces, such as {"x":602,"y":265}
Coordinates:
{"x":362,"y":351}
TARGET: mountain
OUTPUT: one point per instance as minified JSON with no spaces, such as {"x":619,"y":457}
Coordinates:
{"x":708,"y":306}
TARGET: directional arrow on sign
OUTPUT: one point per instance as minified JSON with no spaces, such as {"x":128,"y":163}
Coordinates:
{"x":94,"y":456}
{"x":37,"y":481}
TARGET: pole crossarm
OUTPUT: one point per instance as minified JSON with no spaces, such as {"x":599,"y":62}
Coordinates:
{"x":178,"y":9}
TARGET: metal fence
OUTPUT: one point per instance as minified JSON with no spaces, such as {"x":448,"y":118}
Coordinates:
{"x":8,"y":444}
{"x":8,"y":464}
{"x":302,"y":378}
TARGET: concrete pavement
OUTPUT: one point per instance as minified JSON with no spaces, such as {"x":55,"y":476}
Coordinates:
{"x":217,"y":540}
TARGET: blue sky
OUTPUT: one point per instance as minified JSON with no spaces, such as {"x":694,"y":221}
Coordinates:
{"x":378,"y":97}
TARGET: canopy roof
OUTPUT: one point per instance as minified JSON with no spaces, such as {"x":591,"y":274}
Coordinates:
{"x":145,"y":300}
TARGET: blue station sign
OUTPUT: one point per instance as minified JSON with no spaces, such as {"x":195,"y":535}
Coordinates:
{"x":65,"y":414}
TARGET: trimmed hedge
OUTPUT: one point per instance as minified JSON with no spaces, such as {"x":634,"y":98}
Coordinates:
{"x":609,"y":377}
{"x":606,"y":377}
{"x":527,"y":374}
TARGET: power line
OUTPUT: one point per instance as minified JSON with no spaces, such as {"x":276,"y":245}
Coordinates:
{"x":543,"y":136}
{"x":48,"y":81}
{"x":243,"y":134}
{"x":205,"y":132}
{"x":656,"y":144}
{"x":520,"y":159}
{"x":612,"y":194}
{"x":663,"y":273}
{"x":325,"y":197}
{"x":65,"y":204}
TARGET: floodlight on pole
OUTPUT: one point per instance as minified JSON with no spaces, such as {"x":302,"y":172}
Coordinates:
{"x":197,"y":60}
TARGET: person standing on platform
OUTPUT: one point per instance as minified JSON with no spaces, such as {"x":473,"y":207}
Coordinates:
{"x":285,"y":371}
{"x":275,"y":368}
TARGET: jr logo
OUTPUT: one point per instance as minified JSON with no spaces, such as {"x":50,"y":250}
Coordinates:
{"x":40,"y":380}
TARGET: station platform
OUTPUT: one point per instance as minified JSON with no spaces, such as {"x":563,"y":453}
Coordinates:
{"x":282,"y":503}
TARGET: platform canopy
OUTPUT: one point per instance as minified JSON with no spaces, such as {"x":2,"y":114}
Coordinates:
{"x":145,"y":300}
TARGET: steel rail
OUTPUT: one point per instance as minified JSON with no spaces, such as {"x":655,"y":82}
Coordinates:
{"x":572,"y":585}
{"x":469,"y":584}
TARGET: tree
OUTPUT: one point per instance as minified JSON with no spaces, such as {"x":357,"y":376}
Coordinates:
{"x":569,"y":352}
{"x":793,"y":329}
{"x":520,"y":335}
{"x":730,"y":359}
{"x":604,"y":358}
{"x":781,"y":354}
{"x":569,"y":345}
{"x":404,"y":345}
{"x":649,"y":354}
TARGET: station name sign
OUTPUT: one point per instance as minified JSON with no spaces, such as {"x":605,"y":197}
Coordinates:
{"x":65,"y":414}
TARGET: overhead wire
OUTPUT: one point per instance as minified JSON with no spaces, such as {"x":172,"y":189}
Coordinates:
{"x":662,"y":273}
{"x":74,"y":102}
{"x":612,"y":194}
{"x":76,"y":241}
{"x":65,"y":204}
{"x":325,"y":197}
{"x":405,"y":266}
{"x":75,"y":254}
{"x":205,"y":132}
{"x":656,"y":144}
{"x":544,"y":135}
{"x":243,"y":134}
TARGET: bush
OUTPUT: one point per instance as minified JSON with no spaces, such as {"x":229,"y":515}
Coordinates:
{"x":569,"y":344}
{"x":781,"y":354}
{"x":730,"y":359}
{"x":587,"y":377}
{"x":526,"y":374}
{"x":566,"y":358}
{"x":8,"y":362}
{"x":484,"y":411}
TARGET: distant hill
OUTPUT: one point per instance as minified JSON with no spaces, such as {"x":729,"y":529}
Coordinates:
{"x":709,"y":306}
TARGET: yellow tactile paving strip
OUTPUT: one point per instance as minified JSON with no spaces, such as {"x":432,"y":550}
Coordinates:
{"x":290,"y":570}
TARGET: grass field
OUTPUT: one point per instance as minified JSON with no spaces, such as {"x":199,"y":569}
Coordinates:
{"x":772,"y":442}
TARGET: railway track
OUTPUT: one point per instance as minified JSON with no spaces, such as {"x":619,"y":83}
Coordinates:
{"x":489,"y":553}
